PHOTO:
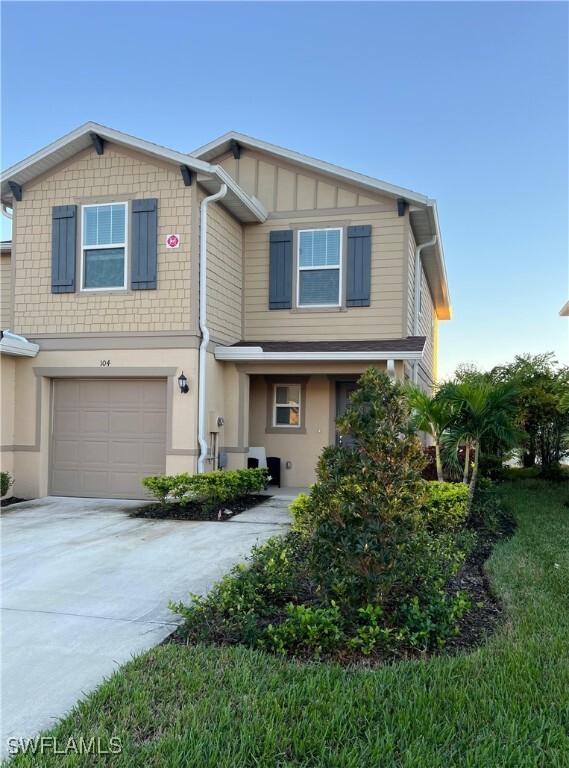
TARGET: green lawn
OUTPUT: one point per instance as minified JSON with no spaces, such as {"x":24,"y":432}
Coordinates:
{"x":503,"y":706}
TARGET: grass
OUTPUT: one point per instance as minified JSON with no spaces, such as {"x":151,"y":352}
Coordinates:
{"x":506,"y":704}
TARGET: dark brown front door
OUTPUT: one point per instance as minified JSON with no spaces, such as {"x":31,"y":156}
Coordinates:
{"x":344,"y":390}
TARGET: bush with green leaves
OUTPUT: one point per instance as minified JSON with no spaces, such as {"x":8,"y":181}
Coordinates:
{"x":307,"y":629}
{"x":487,"y":512}
{"x":212,"y":489}
{"x":445,"y":506}
{"x":5,"y":483}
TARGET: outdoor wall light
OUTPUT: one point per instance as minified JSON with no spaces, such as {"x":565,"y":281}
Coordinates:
{"x":183,"y":383}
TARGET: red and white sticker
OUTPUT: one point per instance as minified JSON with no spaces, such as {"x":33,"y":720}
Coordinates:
{"x":173,"y":241}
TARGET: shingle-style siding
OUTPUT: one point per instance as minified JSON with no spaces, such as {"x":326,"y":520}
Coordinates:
{"x":89,"y":177}
{"x":5,"y":291}
{"x":225,"y":275}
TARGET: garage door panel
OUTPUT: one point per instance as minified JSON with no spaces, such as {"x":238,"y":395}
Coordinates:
{"x":67,"y":394}
{"x":67,"y":422}
{"x":96,"y":483}
{"x":127,"y":422}
{"x":66,"y":451}
{"x":154,"y":424}
{"x":107,"y":436}
{"x":94,"y":393}
{"x":68,"y":480}
{"x":95,"y":422}
{"x":95,"y":452}
{"x":125,"y":484}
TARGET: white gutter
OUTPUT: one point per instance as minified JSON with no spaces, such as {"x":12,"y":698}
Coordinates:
{"x":18,"y":346}
{"x":256,"y":354}
{"x":418,"y":275}
{"x":203,"y":323}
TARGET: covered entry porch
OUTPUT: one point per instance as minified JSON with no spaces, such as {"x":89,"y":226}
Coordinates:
{"x":290,"y":396}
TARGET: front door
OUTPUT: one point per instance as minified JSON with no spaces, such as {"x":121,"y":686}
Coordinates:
{"x":344,"y":390}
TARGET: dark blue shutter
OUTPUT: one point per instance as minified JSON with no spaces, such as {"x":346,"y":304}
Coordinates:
{"x":358,"y":280}
{"x":63,"y":248}
{"x":280,"y":270}
{"x":144,"y":244}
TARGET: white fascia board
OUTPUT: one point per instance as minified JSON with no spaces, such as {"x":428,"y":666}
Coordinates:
{"x":319,"y":165}
{"x":256,"y":354}
{"x":146,"y":147}
{"x":17,"y":348}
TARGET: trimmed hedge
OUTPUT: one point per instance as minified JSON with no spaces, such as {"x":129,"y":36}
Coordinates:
{"x":445,"y":506}
{"x":211,"y":488}
{"x":5,"y":483}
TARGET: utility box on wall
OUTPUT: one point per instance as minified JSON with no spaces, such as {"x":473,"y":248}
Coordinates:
{"x":215,"y":421}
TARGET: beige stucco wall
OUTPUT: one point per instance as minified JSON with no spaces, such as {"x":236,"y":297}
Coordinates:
{"x":225,"y":275}
{"x":31,"y":432}
{"x":5,"y":291}
{"x":296,"y":200}
{"x":118,"y":175}
{"x":302,"y":450}
{"x":7,"y":399}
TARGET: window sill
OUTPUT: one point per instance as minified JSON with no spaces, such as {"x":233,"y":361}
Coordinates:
{"x":104,"y":292}
{"x":285,"y":431}
{"x":309,"y":310}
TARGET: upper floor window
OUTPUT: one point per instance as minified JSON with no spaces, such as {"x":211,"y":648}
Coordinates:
{"x":319,"y":267}
{"x":104,"y":246}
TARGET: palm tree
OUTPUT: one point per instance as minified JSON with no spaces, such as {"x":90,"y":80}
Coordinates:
{"x":483,"y":411}
{"x":431,"y":415}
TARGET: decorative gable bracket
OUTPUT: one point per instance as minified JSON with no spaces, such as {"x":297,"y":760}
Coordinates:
{"x":235,"y":149}
{"x":186,"y":175}
{"x":98,"y":143}
{"x":16,"y":190}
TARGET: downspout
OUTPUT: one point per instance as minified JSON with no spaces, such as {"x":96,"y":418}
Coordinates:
{"x":203,"y":320}
{"x":418,"y":298}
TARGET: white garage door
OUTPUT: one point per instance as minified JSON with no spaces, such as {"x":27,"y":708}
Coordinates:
{"x":107,"y":436}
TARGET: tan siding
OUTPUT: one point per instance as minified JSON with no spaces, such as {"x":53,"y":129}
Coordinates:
{"x":383,"y":319}
{"x":411,"y":282}
{"x":225,"y":275}
{"x":5,"y":291}
{"x":281,"y":187}
{"x":426,"y":327}
{"x":123,"y":175}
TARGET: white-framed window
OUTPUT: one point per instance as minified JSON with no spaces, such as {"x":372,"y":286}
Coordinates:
{"x":319,"y":282}
{"x":104,"y":246}
{"x":286,"y":405}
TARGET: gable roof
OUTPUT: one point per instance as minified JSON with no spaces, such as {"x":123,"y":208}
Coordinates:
{"x":422,"y":209}
{"x":237,"y":201}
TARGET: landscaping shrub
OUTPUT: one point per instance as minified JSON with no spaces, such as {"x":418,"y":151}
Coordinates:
{"x":444,"y":506}
{"x":213,"y":489}
{"x":5,"y":483}
{"x":486,"y":512}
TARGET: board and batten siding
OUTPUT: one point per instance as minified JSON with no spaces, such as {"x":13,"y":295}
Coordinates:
{"x":121,"y":175}
{"x":427,"y":319}
{"x":5,"y":291}
{"x":225,"y":275}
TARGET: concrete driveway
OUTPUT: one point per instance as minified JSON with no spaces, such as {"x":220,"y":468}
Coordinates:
{"x":85,"y":587}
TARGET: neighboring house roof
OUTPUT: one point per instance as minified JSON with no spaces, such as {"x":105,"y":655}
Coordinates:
{"x":211,"y":176}
{"x":17,"y":346}
{"x":422,"y":210}
{"x":564,"y":310}
{"x":410,"y":348}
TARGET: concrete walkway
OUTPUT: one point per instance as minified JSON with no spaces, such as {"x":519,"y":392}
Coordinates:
{"x":85,"y":587}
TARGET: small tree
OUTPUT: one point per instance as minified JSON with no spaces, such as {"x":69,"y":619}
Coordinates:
{"x":483,"y":412}
{"x":365,"y":505}
{"x":432,"y":415}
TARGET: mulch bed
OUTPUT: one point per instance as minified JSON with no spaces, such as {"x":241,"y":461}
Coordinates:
{"x":479,"y":623}
{"x":11,"y":500}
{"x":196,"y":511}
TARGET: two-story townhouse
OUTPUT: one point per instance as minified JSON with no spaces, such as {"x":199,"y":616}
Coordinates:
{"x":269,"y":279}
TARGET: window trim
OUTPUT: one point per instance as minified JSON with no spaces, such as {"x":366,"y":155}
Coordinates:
{"x":339,"y":267}
{"x":125,"y":246}
{"x":276,"y":405}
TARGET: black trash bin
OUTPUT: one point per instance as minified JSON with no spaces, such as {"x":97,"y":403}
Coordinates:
{"x":252,"y":463}
{"x":274,"y":467}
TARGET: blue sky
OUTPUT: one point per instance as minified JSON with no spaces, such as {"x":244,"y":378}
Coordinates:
{"x":464,"y":102}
